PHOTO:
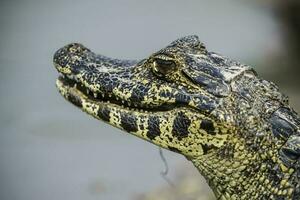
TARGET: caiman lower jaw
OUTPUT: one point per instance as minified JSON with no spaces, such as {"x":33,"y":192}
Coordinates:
{"x":81,"y":96}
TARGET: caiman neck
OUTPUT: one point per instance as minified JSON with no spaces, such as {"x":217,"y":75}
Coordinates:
{"x":246,"y":175}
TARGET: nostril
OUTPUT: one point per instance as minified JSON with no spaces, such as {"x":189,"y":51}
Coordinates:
{"x":69,"y":54}
{"x":76,"y":48}
{"x":71,"y":58}
{"x":69,"y":51}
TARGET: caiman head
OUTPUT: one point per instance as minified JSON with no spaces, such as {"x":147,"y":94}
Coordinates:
{"x":210,"y":109}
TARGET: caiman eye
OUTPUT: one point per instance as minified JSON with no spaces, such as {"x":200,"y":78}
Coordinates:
{"x":163,"y":67}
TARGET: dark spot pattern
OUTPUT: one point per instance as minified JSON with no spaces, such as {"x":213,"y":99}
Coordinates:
{"x":174,"y":149}
{"x":206,"y":148}
{"x":208,"y":126}
{"x":182,"y":98}
{"x":153,"y":127}
{"x":165,"y":93}
{"x":128,"y":123}
{"x":138,"y":93}
{"x":281,"y":128}
{"x":290,"y":151}
{"x":181,"y":125}
{"x":103,"y":113}
{"x":75,"y":100}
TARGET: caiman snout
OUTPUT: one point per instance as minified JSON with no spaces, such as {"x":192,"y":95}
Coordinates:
{"x":69,"y":59}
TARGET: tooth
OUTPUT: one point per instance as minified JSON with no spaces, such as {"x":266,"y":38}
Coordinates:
{"x":102,"y":95}
{"x":87,"y":91}
{"x":75,"y":85}
{"x":122,"y":101}
{"x":108,"y":101}
{"x":95,"y":95}
{"x":109,"y":95}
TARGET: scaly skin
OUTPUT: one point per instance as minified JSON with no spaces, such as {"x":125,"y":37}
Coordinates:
{"x":236,"y":128}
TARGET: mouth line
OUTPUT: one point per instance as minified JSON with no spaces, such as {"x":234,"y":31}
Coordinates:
{"x":98,"y":97}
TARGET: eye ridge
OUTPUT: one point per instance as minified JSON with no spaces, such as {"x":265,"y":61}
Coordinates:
{"x":163,"y":66}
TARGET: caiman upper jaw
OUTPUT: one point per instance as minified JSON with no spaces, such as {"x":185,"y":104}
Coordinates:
{"x":100,"y":78}
{"x":67,"y":60}
{"x":92,"y":75}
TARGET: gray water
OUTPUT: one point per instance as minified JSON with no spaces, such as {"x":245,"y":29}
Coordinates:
{"x":51,"y":150}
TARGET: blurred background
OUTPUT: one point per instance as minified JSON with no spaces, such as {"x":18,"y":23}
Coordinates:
{"x":50,"y":150}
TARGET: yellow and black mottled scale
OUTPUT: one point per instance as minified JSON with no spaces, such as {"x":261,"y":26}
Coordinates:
{"x":235,"y":127}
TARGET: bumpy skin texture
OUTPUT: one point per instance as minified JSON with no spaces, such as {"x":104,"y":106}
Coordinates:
{"x":235,"y":127}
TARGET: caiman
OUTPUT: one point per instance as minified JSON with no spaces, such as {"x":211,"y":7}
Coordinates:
{"x":235,"y":127}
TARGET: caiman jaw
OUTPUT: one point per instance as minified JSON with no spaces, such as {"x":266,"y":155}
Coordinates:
{"x":142,"y":123}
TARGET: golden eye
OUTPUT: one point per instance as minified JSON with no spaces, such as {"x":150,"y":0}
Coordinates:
{"x":163,"y":67}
